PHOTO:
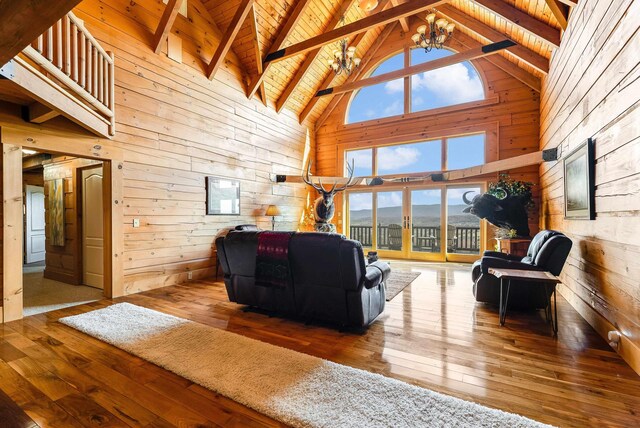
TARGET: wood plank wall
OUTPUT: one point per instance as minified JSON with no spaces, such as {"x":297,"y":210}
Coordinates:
{"x":63,"y":263}
{"x":593,"y":90}
{"x":176,"y":127}
{"x":510,"y":116}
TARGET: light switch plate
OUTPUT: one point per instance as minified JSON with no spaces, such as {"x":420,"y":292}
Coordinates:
{"x":136,"y":222}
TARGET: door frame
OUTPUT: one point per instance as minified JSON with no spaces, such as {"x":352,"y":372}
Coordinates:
{"x":16,"y":134}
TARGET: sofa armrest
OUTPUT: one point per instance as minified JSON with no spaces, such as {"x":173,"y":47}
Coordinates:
{"x":500,"y":255}
{"x":377,"y":272}
{"x":495,"y":262}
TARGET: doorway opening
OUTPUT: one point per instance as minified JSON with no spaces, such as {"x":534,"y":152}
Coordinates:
{"x":64,"y":224}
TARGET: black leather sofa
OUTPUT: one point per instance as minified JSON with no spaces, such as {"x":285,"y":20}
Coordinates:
{"x":548,"y":251}
{"x":328,"y":278}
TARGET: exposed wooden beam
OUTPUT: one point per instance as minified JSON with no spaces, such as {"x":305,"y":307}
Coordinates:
{"x":23,"y":21}
{"x":479,"y":52}
{"x":522,"y":20}
{"x":257,"y":52}
{"x":503,"y":63}
{"x":311,"y":57}
{"x":229,"y":36}
{"x":54,"y":96}
{"x":40,"y":113}
{"x":404,"y":22}
{"x":371,"y":53}
{"x":330,"y":78}
{"x":284,"y":32}
{"x":559,"y":12}
{"x":520,"y":161}
{"x":481,"y":29}
{"x":569,"y":3}
{"x":166,"y":22}
{"x":360,"y":26}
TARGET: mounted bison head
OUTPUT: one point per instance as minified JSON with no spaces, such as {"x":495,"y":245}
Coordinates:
{"x":508,"y":212}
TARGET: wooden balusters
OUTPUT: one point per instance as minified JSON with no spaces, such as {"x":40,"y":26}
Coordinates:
{"x":82,"y":50}
{"x":71,"y":55}
{"x":66,"y":43}
{"x":50,"y":44}
{"x":74,"y":52}
{"x":58,"y":47}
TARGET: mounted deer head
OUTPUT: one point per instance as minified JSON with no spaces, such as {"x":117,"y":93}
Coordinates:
{"x":323,"y":206}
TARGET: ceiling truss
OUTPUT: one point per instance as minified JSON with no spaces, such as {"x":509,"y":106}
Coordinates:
{"x":387,"y":14}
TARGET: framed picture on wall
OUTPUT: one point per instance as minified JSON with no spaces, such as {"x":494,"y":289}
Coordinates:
{"x":223,"y":196}
{"x":579,"y":183}
{"x":56,"y":212}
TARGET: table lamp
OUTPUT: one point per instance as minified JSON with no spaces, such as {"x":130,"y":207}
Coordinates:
{"x":272,"y":211}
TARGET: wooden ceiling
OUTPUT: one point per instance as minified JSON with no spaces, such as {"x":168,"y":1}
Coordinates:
{"x":254,"y":28}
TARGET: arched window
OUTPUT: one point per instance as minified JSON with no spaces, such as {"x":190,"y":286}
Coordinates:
{"x":455,"y":84}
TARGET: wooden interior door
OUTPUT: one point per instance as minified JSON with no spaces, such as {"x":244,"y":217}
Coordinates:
{"x":92,"y":228}
{"x":34,"y":232}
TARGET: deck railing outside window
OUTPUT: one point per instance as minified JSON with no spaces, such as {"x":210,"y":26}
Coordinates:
{"x":71,"y":55}
{"x":464,"y":240}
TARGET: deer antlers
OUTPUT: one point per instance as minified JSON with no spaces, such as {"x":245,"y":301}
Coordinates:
{"x":320,"y":188}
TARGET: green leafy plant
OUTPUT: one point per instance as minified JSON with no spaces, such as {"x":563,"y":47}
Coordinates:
{"x":513,"y":187}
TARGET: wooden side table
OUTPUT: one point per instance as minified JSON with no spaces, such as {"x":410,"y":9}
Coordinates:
{"x":514,"y":246}
{"x":542,"y":277}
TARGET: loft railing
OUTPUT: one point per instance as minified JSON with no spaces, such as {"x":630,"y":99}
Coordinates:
{"x":424,"y":238}
{"x":71,"y":55}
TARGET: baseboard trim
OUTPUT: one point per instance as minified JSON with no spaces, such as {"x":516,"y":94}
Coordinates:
{"x":628,"y":350}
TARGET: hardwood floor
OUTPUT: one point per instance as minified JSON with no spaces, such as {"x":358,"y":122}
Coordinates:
{"x":433,"y":335}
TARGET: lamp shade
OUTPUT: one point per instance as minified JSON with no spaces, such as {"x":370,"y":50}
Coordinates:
{"x":367,"y":5}
{"x":272,"y":210}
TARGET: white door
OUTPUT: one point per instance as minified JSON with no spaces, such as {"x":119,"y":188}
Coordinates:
{"x":92,"y":225}
{"x":34,"y":239}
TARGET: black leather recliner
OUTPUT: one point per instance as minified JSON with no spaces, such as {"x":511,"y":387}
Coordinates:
{"x":548,"y":251}
{"x":329,"y":279}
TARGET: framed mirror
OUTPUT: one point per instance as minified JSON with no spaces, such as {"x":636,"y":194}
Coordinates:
{"x":223,"y":196}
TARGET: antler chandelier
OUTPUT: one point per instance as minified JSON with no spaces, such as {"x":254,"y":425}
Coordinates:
{"x":345,"y":59}
{"x":433,"y":35}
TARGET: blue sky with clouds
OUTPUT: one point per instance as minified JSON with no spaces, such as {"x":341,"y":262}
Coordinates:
{"x":455,"y":84}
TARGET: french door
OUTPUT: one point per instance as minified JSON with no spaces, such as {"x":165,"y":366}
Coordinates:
{"x":420,"y":223}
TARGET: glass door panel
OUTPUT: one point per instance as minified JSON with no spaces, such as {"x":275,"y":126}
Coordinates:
{"x":426,"y":222}
{"x":361,"y":218}
{"x":389,"y":216}
{"x":463,"y":229}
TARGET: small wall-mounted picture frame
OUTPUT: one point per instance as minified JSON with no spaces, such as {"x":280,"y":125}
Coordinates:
{"x":56,"y":212}
{"x":223,"y":196}
{"x":579,"y":182}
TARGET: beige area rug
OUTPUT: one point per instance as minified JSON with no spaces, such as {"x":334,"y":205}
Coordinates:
{"x":291,"y":387}
{"x":398,"y":280}
{"x":45,"y":295}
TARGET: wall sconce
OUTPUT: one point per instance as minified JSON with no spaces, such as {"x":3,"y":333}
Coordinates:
{"x":272,"y":211}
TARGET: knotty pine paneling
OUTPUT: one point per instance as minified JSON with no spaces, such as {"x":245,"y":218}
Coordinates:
{"x":176,"y":127}
{"x":509,"y":115}
{"x":593,"y":91}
